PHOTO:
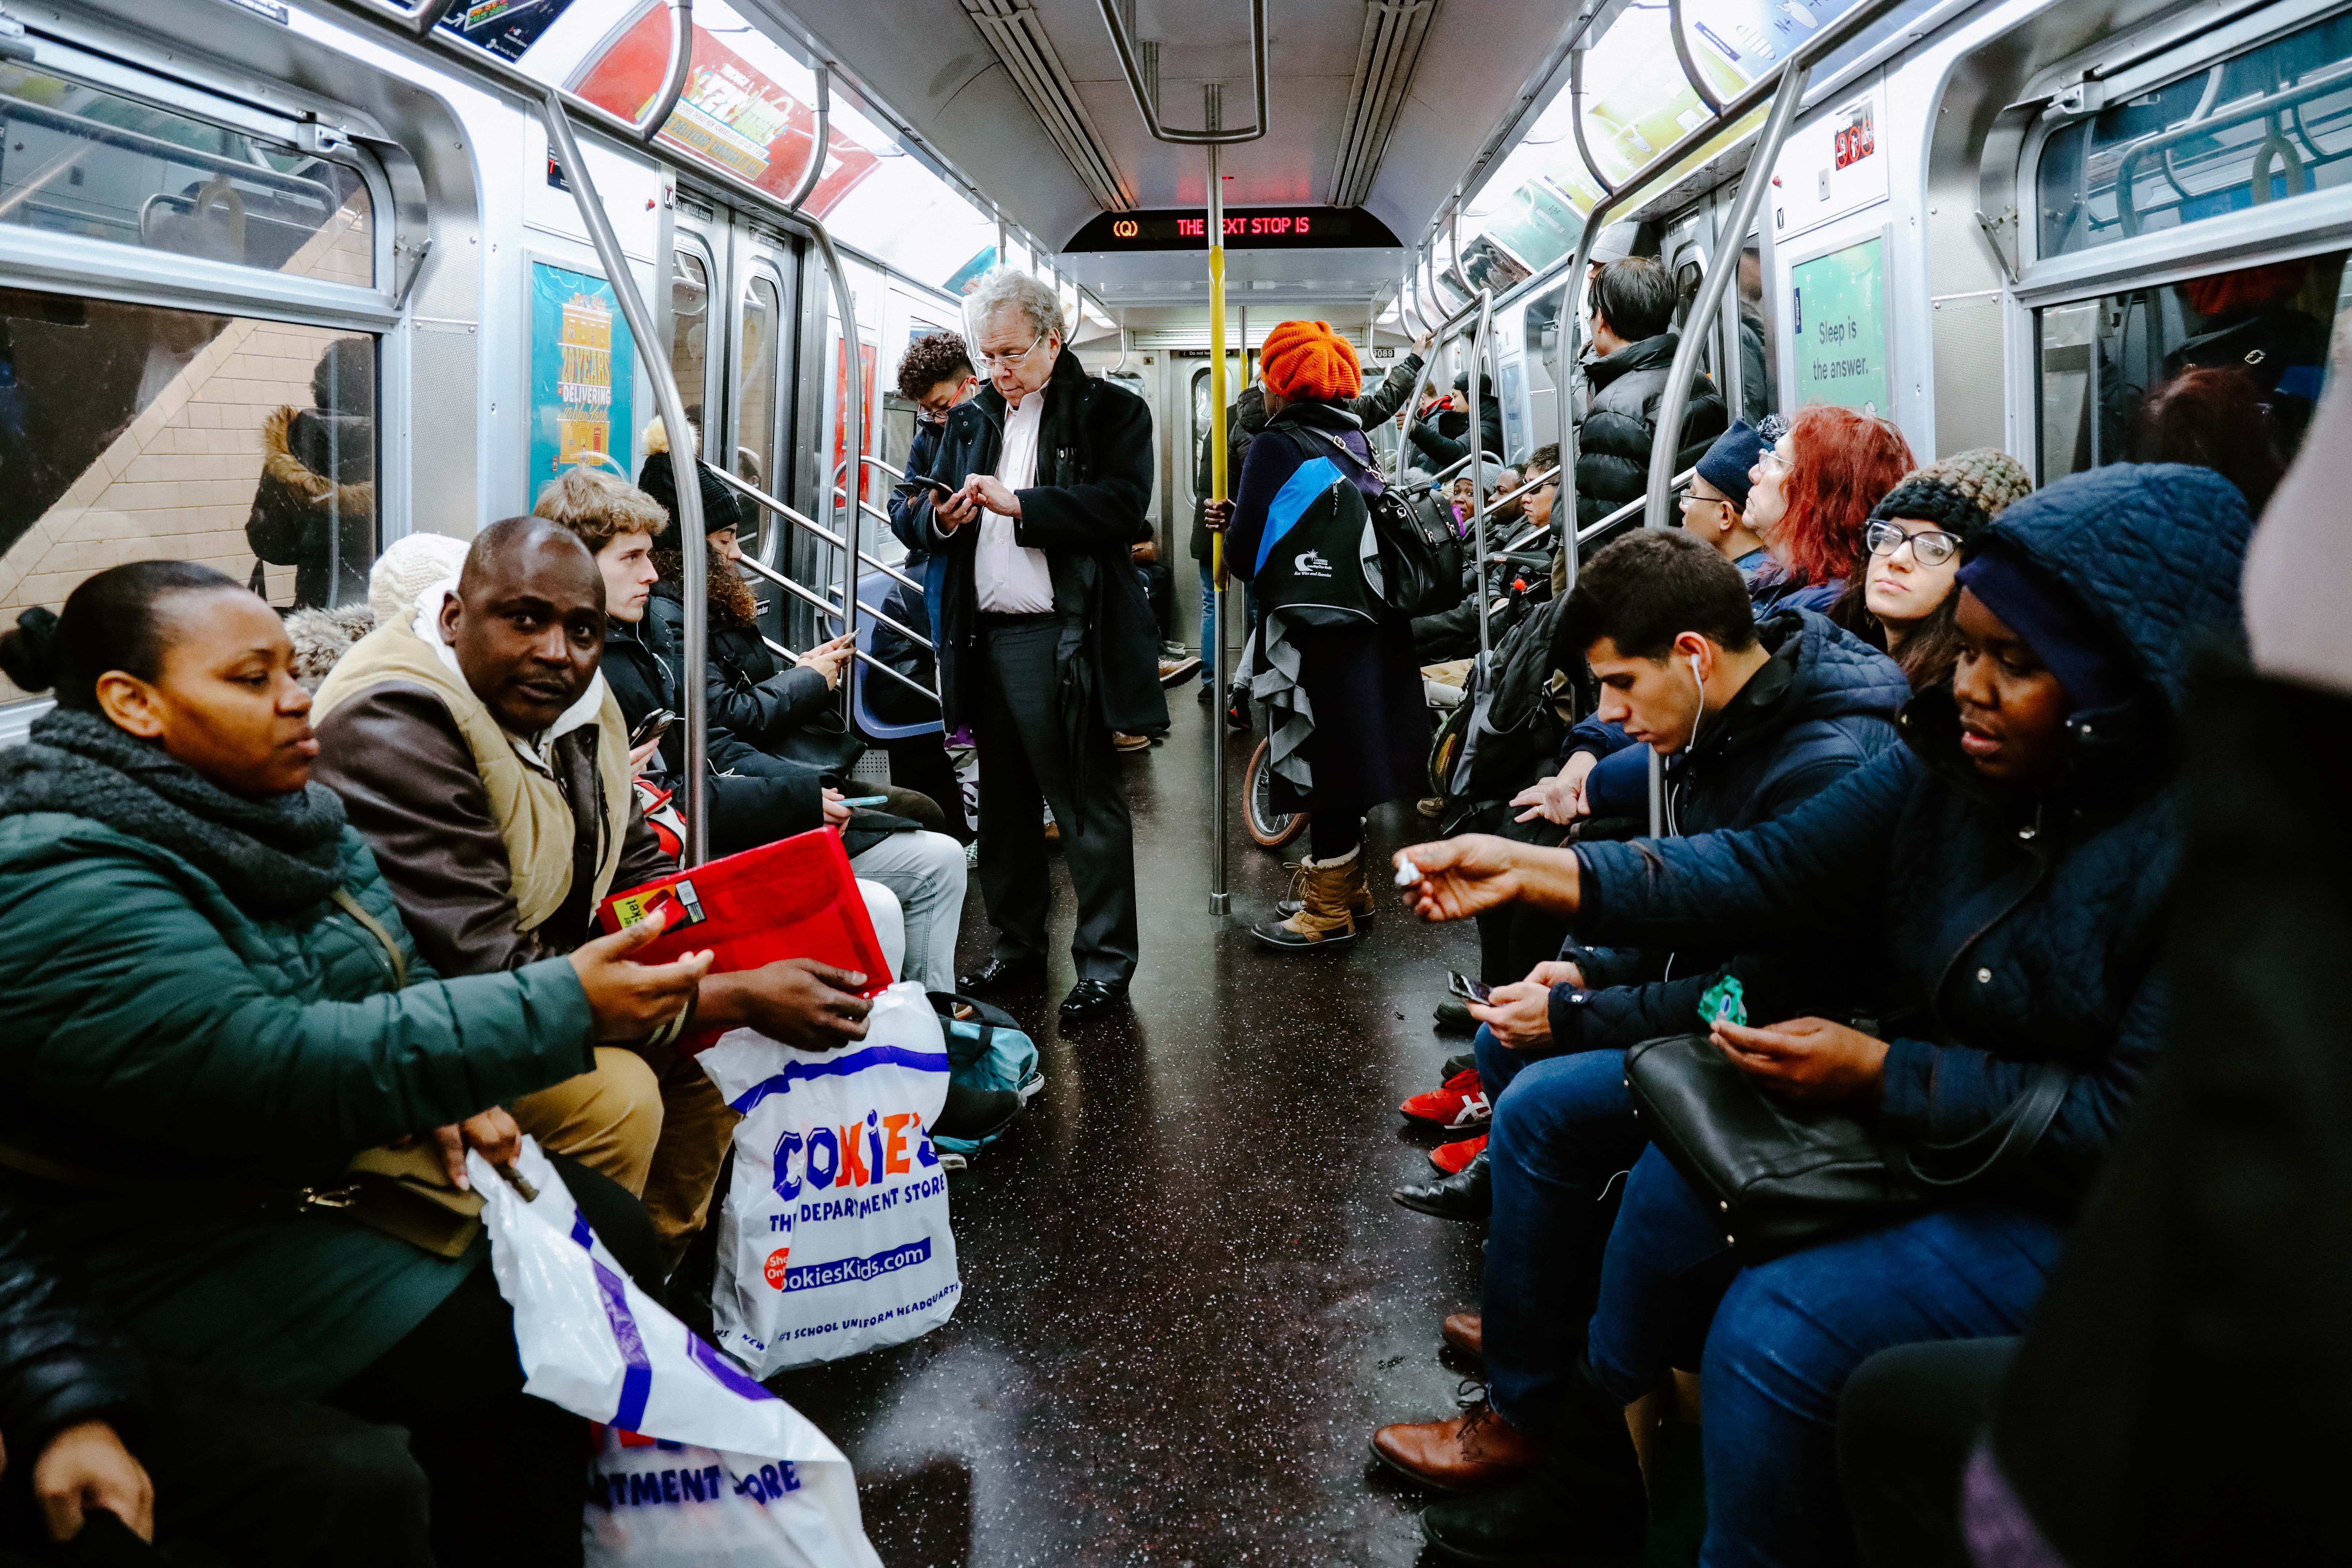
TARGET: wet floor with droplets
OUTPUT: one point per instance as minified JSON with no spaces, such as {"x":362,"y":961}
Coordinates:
{"x":1187,"y":1296}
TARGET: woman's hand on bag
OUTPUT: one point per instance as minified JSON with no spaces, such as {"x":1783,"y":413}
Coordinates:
{"x":799,"y":1001}
{"x":1518,"y":1013}
{"x":493,"y":1132}
{"x":1807,"y":1059}
{"x":1463,"y":877}
{"x":86,"y":1466}
{"x":631,"y":1000}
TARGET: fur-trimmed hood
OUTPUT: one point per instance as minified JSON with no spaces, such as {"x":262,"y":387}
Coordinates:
{"x":322,"y":636}
{"x":303,"y":474}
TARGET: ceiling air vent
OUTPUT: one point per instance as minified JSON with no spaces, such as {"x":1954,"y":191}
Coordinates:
{"x":1393,"y":31}
{"x":1017,"y":34}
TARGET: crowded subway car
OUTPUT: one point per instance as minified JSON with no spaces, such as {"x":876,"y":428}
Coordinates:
{"x":1714,"y":625}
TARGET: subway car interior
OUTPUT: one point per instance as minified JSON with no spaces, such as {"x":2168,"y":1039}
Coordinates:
{"x":1544,"y":313}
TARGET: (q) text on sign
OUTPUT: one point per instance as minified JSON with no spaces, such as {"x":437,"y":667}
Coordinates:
{"x":1246,"y":228}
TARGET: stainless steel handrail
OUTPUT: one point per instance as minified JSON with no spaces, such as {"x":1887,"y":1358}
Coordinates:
{"x":1478,"y":347}
{"x":1213,"y":136}
{"x":870,"y":661}
{"x":693,"y":548}
{"x":681,"y":60}
{"x":825,"y":606}
{"x":796,"y":515}
{"x":1690,"y":66}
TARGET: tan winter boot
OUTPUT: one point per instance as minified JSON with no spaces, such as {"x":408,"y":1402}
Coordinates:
{"x":1361,"y":901}
{"x":1323,"y":919}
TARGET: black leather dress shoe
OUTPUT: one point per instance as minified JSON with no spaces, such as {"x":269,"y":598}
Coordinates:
{"x":1468,"y":1193}
{"x":1092,"y":998}
{"x":1004,"y":974}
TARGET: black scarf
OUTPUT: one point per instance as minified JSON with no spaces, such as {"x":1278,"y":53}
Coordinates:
{"x":270,"y":857}
{"x":1063,"y":427}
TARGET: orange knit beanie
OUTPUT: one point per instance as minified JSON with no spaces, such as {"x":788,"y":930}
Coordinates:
{"x":1308,"y":360}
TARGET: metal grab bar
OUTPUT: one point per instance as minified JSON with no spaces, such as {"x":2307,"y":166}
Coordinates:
{"x":898,"y":474}
{"x":1213,"y":136}
{"x":819,"y":529}
{"x":2237,"y":114}
{"x":831,"y":610}
{"x":864,"y":658}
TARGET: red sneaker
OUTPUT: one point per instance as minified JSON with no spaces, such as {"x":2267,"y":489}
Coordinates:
{"x":1459,"y":1107}
{"x":1451,"y":1158}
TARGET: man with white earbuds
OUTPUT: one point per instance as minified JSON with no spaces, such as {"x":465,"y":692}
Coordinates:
{"x":1751,"y":719}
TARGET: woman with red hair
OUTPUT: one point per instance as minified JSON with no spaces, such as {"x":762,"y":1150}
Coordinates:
{"x":1809,"y":496}
{"x":1351,"y":729}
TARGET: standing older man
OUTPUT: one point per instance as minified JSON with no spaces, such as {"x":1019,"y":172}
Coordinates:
{"x":1046,"y":643}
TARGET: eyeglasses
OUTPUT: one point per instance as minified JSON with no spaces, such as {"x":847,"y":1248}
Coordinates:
{"x":1929,"y":547}
{"x":1773,"y":460}
{"x":990,"y":362}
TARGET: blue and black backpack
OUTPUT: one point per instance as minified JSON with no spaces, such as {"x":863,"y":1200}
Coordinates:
{"x":986,"y":1050}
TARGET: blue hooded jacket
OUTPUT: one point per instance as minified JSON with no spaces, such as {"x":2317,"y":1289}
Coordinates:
{"x":2019,"y":926}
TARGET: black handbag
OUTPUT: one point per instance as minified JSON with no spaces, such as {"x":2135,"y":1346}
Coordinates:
{"x":1421,"y":554}
{"x":1784,"y":1176}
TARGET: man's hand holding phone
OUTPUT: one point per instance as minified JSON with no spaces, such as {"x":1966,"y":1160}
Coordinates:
{"x":952,"y":508}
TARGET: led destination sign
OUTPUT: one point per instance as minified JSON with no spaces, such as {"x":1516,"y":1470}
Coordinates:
{"x":1246,"y":228}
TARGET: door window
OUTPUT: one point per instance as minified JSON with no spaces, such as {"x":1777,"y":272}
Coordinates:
{"x":2221,"y":371}
{"x":755,"y":400}
{"x":689,"y":339}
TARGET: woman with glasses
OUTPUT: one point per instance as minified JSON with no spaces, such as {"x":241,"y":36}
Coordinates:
{"x":1903,"y":601}
{"x":1810,"y":495}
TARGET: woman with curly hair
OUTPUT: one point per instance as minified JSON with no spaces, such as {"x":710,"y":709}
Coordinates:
{"x":1809,"y":496}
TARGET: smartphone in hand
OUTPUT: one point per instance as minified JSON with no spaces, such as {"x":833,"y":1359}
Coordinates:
{"x":1468,"y":989}
{"x":655,"y":725}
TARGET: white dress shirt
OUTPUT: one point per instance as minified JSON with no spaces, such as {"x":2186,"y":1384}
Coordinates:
{"x":1008,"y":579}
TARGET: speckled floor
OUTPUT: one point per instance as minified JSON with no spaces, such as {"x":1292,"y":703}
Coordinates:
{"x":1188,"y":1298}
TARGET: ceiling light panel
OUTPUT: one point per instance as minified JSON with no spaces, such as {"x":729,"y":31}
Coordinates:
{"x":1385,"y":57}
{"x":1017,"y":33}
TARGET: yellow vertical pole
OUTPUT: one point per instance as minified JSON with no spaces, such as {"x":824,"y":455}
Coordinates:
{"x":1218,"y":480}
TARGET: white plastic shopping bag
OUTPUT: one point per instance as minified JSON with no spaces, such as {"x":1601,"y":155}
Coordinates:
{"x":835,"y":1238}
{"x":697,"y":1465}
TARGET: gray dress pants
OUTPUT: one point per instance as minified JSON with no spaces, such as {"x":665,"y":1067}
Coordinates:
{"x":1023,"y":759}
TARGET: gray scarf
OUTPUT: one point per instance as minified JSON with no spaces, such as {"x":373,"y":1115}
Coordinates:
{"x":270,"y":857}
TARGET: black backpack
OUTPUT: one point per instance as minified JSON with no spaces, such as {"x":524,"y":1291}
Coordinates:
{"x":1421,"y":554}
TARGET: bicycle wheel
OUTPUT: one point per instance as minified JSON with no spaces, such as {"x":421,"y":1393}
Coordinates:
{"x":1271,"y":829}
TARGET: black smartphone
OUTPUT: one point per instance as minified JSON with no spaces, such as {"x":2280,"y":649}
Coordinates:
{"x":656,"y":724}
{"x":939,"y":488}
{"x":1468,"y":989}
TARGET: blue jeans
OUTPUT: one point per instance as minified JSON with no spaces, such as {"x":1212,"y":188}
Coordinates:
{"x":1208,"y":634}
{"x":1563,"y":1134}
{"x":1787,"y":1336}
{"x":1499,"y":1064}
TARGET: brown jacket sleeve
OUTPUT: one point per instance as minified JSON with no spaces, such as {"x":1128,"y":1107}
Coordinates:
{"x":409,"y":785}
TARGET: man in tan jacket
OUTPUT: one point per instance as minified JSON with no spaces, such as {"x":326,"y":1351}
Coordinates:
{"x":477,"y":750}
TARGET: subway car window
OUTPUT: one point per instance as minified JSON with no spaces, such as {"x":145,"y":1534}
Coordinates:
{"x":689,"y":342}
{"x":130,"y":432}
{"x":755,"y":395}
{"x":2223,"y":370}
{"x":2271,"y":124}
{"x":76,"y":159}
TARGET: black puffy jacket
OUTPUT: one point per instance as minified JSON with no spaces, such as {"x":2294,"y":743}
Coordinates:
{"x":60,"y":1364}
{"x":1620,"y":419}
{"x":784,"y":710}
{"x":1438,"y":447}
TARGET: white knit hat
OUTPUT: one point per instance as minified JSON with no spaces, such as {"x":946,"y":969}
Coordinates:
{"x":408,"y":565}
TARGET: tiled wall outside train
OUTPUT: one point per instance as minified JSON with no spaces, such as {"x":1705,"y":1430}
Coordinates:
{"x":179,"y":481}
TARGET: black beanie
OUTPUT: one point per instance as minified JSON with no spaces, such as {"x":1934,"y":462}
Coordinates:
{"x":720,"y":510}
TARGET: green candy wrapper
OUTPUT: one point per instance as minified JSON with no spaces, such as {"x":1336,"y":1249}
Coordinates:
{"x":1724,"y":999}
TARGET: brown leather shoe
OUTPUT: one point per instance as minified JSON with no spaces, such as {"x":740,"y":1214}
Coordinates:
{"x":1476,"y":1448}
{"x":1466,"y":1333}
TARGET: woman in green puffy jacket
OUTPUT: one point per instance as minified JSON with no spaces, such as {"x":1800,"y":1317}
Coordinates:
{"x":206,"y":1017}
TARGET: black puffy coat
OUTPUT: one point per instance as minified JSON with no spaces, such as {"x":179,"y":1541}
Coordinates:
{"x":59,"y":1363}
{"x":317,"y":499}
{"x":755,"y":799}
{"x":785,"y":710}
{"x":1440,"y":448}
{"x":2019,"y":929}
{"x":1620,"y":420}
{"x":1094,"y":472}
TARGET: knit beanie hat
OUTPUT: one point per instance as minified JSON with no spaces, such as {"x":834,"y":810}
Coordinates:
{"x":408,"y":565}
{"x":2053,"y":622}
{"x":1725,"y":464}
{"x":720,"y":510}
{"x":1959,"y":493}
{"x":1306,"y":359}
